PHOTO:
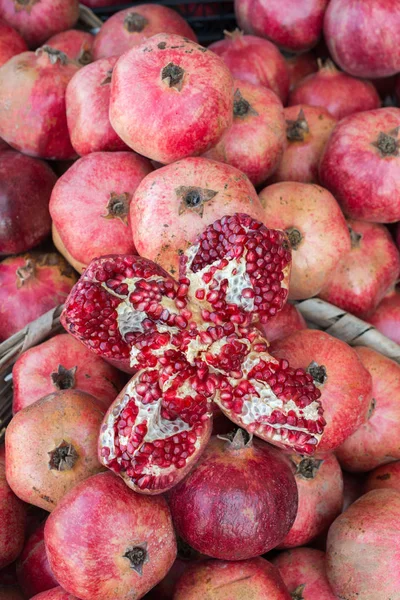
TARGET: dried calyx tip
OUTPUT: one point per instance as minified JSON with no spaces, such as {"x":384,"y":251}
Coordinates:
{"x":64,"y":379}
{"x":135,"y":23}
{"x":295,"y":130}
{"x":173,"y":75}
{"x":63,"y":458}
{"x":54,"y":55}
{"x":388,"y":143}
{"x":308,"y":467}
{"x":317,"y":372}
{"x":237,"y":439}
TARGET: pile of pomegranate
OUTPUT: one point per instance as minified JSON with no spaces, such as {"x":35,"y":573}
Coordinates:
{"x":188,"y":437}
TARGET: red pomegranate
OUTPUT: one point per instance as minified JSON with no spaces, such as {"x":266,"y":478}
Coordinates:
{"x":175,"y":203}
{"x":287,"y":321}
{"x":307,"y":130}
{"x":88,"y":103}
{"x":76,"y":44}
{"x":182,"y":101}
{"x":338,"y":92}
{"x":56,"y":593}
{"x":291,"y":25}
{"x":134,"y":532}
{"x":386,"y":318}
{"x":339,"y":374}
{"x":90,"y":204}
{"x":385,"y":476}
{"x":353,"y":488}
{"x":11,"y":43}
{"x":32,"y":102}
{"x":62,"y":363}
{"x":363,"y":37}
{"x":304,"y":572}
{"x":25,"y":188}
{"x":243,"y":499}
{"x":37,"y":21}
{"x":316,"y":229}
{"x":254,"y":60}
{"x":33,"y":569}
{"x":366,"y":273}
{"x":364,"y":181}
{"x":255,"y":578}
{"x":133,"y":26}
{"x":256,"y":140}
{"x":299,"y":66}
{"x":372,"y":525}
{"x":12,"y":520}
{"x":375,"y":442}
{"x":35,"y":283}
{"x":320,"y":488}
{"x":51,"y":446}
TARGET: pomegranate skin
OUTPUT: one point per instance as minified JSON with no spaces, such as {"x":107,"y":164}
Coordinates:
{"x":386,"y":317}
{"x":235,"y":515}
{"x":339,"y":93}
{"x":37,"y":21}
{"x":167,"y":219}
{"x":32,"y":103}
{"x":88,"y":104}
{"x":255,"y":579}
{"x":287,"y":321}
{"x":316,"y":228}
{"x":169,"y":115}
{"x":307,"y":130}
{"x":35,"y":283}
{"x":363,"y":176}
{"x":363,"y":37}
{"x":11,"y":43}
{"x":56,"y":593}
{"x":347,"y":386}
{"x":102,"y":512}
{"x":375,"y":442}
{"x":90,"y":203}
{"x":25,"y":188}
{"x":12,"y":520}
{"x":292,"y":25}
{"x":33,"y":569}
{"x":51,"y":446}
{"x":62,"y":363}
{"x":76,"y":44}
{"x":366,"y":273}
{"x":372,"y":524}
{"x":254,"y":60}
{"x":320,"y":488}
{"x":299,"y":66}
{"x":304,"y":573}
{"x":256,"y":140}
{"x":385,"y":476}
{"x":133,"y":26}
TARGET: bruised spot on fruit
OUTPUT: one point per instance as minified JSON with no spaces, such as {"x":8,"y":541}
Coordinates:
{"x":297,"y":594}
{"x":118,"y":207}
{"x":372,"y":408}
{"x":308,"y":467}
{"x":137,"y":556}
{"x":64,"y":379}
{"x":296,"y":130}
{"x":107,"y":79}
{"x":241,"y":107}
{"x":63,"y":458}
{"x":295,"y":237}
{"x":384,"y":477}
{"x":135,"y":23}
{"x":173,"y":74}
{"x":43,"y":496}
{"x":53,"y":55}
{"x":193,"y":198}
{"x":387,"y":143}
{"x":162,"y":45}
{"x":317,"y":372}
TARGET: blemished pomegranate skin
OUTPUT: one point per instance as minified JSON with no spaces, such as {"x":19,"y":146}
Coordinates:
{"x":385,"y":476}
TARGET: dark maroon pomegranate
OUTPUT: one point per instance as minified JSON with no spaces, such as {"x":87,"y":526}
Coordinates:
{"x":33,"y":569}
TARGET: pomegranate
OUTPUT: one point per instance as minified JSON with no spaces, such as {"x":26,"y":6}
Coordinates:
{"x":51,"y":446}
{"x":293,"y":25}
{"x":11,"y":43}
{"x":287,"y":321}
{"x":56,"y":593}
{"x":307,"y":130}
{"x":316,"y":229}
{"x":32,"y":102}
{"x":339,"y":374}
{"x":370,"y":524}
{"x":35,"y":283}
{"x":175,"y":203}
{"x":254,"y":60}
{"x":12,"y":519}
{"x":134,"y":532}
{"x":25,"y":189}
{"x":243,"y":499}
{"x":133,"y":26}
{"x":88,"y":103}
{"x":375,"y":442}
{"x":364,"y":181}
{"x":165,"y":589}
{"x":100,"y":3}
{"x":353,"y":488}
{"x":385,"y":476}
{"x":98,"y":188}
{"x":33,"y":569}
{"x":37,"y":21}
{"x":386,"y":318}
{"x":76,"y":44}
{"x":338,"y":92}
{"x":366,"y":273}
{"x":304,"y":572}
{"x":181,"y":103}
{"x":255,"y":578}
{"x":363,"y":37}
{"x":256,"y":140}
{"x":299,"y":66}
{"x":62,"y":363}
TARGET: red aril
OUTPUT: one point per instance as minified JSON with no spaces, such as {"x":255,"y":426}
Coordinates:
{"x":56,"y":593}
{"x":385,"y":476}
{"x":256,"y":140}
{"x":76,"y":44}
{"x":12,"y":519}
{"x":33,"y":569}
{"x":35,"y":283}
{"x":11,"y":42}
{"x":255,"y":61}
{"x":287,"y":321}
{"x":386,"y":317}
{"x":299,"y":66}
